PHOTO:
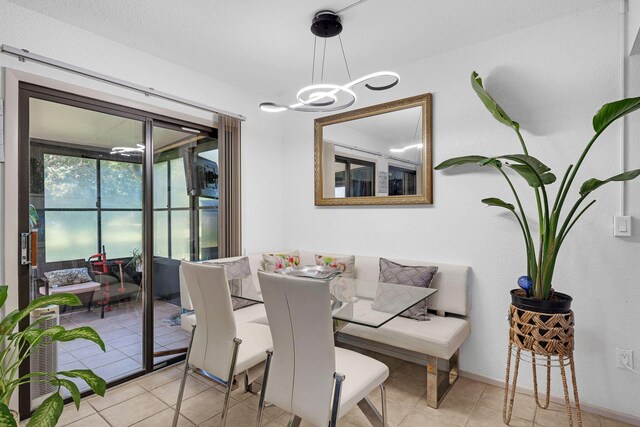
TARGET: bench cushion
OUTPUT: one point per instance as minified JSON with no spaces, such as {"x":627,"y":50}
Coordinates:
{"x":79,"y":288}
{"x":439,"y":337}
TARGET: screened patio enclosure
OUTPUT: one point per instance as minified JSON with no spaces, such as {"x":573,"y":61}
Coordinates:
{"x":110,"y":223}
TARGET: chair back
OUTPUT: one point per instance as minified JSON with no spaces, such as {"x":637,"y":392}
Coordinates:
{"x":216,"y":326}
{"x":301,"y":375}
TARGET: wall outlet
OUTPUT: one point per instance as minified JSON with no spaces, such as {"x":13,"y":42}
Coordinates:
{"x":624,"y":358}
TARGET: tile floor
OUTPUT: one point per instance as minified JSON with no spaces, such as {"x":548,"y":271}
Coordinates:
{"x":121,"y":330}
{"x":148,"y":401}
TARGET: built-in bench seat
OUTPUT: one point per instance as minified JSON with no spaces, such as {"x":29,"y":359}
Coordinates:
{"x":434,"y":343}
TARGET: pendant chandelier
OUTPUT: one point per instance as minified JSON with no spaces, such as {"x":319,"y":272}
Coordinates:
{"x":325,"y":97}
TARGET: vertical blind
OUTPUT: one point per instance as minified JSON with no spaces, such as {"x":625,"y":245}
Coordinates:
{"x":230,"y":194}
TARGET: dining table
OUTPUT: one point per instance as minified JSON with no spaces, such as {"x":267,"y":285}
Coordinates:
{"x":363,"y":302}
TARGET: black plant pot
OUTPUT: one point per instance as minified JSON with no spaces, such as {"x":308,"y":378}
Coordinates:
{"x":560,"y":303}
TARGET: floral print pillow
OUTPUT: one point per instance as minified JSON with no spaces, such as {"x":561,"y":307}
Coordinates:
{"x":70,"y":276}
{"x":345,"y":264}
{"x":273,"y":262}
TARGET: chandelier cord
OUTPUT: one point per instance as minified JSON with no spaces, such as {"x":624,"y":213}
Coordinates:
{"x":324,"y":51}
{"x":345,"y":58}
{"x":417,"y":126}
{"x":313,"y":64}
{"x":350,"y":6}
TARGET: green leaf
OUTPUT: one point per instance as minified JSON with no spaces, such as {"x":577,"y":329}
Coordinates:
{"x":48,"y":413}
{"x":530,"y":169}
{"x":493,"y":201}
{"x":97,"y":384}
{"x":457,"y":161}
{"x":71,"y":386}
{"x":9,"y":322}
{"x":83,"y":332}
{"x":57,"y":299}
{"x":531,"y":161}
{"x":531,"y":178}
{"x":34,"y":336}
{"x":6,"y":417}
{"x":493,"y":107}
{"x":591,"y":184}
{"x":613,"y":111}
{"x":3,"y":294}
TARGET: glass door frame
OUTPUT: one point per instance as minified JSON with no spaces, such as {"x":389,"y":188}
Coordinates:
{"x":30,"y":90}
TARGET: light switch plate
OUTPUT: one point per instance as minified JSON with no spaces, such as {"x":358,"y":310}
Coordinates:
{"x":622,"y":226}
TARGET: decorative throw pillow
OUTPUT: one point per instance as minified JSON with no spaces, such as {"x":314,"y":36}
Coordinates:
{"x":273,"y":262}
{"x":236,"y":271}
{"x":392,"y":272}
{"x":345,"y":264}
{"x":69,"y":276}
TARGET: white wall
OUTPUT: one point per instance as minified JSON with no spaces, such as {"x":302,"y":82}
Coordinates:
{"x":552,"y":78}
{"x":261,"y":134}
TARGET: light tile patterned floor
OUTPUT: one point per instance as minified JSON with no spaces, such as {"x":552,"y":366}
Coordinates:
{"x":121,"y":330}
{"x":148,"y":401}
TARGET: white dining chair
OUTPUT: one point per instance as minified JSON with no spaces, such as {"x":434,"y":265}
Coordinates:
{"x":305,"y":373}
{"x":218,"y":346}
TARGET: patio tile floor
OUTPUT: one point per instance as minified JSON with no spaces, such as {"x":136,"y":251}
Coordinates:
{"x":121,"y":331}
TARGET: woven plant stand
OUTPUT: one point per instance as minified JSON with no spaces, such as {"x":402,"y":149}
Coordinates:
{"x":549,"y":336}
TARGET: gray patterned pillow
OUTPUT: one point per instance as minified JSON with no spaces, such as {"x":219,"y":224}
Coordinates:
{"x":69,"y":276}
{"x":238,"y":269}
{"x":392,"y":272}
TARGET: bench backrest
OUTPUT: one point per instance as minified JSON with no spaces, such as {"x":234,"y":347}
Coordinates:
{"x":452,"y":280}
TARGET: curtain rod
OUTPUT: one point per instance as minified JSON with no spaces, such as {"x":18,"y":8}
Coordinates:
{"x":353,"y":147}
{"x":24,"y":54}
{"x":375,"y":153}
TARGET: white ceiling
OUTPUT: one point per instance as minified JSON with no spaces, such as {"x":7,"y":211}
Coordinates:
{"x":51,"y":121}
{"x":266,"y":46}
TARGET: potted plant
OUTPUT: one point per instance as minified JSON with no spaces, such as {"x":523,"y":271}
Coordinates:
{"x":17,"y":346}
{"x":537,"y":293}
{"x":136,"y":260}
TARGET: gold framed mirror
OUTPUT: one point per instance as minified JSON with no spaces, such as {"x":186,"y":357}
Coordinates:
{"x":377,"y":155}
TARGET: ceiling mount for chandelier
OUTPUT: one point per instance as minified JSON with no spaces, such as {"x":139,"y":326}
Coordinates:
{"x":324,"y":97}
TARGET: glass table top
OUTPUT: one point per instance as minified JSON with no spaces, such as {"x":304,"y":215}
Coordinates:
{"x":363,"y":302}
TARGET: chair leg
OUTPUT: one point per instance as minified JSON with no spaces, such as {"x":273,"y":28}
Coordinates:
{"x":439,"y":385}
{"x":383,"y":397}
{"x":176,"y":415}
{"x":336,"y":399}
{"x":232,"y":368}
{"x":263,"y":390}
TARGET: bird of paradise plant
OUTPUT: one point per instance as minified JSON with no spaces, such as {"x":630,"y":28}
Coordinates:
{"x":16,"y":348}
{"x":554,"y":227}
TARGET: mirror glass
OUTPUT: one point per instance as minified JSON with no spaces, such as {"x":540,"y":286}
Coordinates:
{"x":375,"y":155}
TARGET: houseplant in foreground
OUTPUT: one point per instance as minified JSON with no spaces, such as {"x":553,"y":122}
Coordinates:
{"x":17,"y":346}
{"x":537,"y":293}
{"x":540,"y":319}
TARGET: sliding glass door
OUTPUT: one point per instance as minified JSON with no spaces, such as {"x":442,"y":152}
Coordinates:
{"x":185,"y":218}
{"x":86,"y":202}
{"x":112,"y":199}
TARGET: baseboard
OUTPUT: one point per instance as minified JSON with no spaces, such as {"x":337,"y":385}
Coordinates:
{"x":608,"y":413}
